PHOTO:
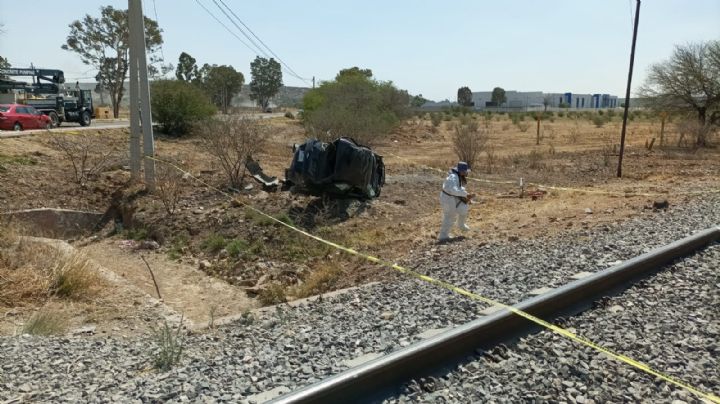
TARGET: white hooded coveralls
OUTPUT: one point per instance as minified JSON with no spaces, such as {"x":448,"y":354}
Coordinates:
{"x":451,"y":204}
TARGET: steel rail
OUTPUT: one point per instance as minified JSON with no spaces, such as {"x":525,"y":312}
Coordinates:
{"x":385,"y":376}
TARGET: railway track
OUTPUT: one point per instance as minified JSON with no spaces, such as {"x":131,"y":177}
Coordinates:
{"x":289,"y":347}
{"x":385,"y":377}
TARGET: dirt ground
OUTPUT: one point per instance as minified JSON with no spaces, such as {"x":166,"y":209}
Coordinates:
{"x":197,"y":271}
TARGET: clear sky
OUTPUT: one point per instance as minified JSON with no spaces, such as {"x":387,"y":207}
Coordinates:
{"x":427,"y":47}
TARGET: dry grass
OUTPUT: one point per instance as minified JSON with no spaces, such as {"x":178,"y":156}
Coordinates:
{"x":45,"y":322}
{"x":31,"y":272}
{"x":321,"y":280}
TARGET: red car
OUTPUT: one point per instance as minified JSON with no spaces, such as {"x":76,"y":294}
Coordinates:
{"x":20,"y":117}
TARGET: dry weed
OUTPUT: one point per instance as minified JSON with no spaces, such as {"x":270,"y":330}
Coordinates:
{"x":321,"y":280}
{"x":45,"y":322}
{"x":31,"y":273}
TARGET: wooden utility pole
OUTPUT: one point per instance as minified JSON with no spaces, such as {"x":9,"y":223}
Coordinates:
{"x":627,"y":91}
{"x":140,"y":113}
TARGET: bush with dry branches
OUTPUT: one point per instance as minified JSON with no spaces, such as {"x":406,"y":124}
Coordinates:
{"x":701,"y":135}
{"x":468,"y":142}
{"x":168,"y":184}
{"x":89,"y":155}
{"x":231,"y":140}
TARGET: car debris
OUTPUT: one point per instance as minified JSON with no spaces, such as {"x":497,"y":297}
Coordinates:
{"x":340,"y":168}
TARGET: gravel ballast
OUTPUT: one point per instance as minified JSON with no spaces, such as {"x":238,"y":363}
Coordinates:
{"x":670,"y":322}
{"x":294,"y":346}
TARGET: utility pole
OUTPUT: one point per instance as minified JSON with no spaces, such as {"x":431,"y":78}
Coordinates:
{"x":140,"y":113}
{"x":627,"y":91}
{"x":313,"y":81}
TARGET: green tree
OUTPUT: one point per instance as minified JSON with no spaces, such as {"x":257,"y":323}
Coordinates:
{"x":418,"y":101}
{"x":177,"y":105}
{"x":186,"y":69}
{"x":464,"y":97}
{"x":354,"y":71}
{"x":498,"y":96}
{"x":103,"y":43}
{"x":266,"y":80}
{"x":354,"y":105}
{"x":221,"y":84}
{"x":688,"y":81}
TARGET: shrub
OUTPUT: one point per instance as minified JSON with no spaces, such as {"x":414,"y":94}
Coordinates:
{"x":74,"y":278}
{"x":177,"y":105}
{"x":534,"y":160}
{"x":170,"y":345}
{"x":320,"y":280}
{"x":599,"y":121}
{"x":274,"y":293}
{"x":213,"y":243}
{"x":435,"y":118}
{"x":354,"y":105}
{"x":468,"y":142}
{"x":232,"y":140}
{"x":289,"y":115}
{"x":236,"y":247}
{"x":523,"y":126}
{"x":168,"y":186}
{"x":45,"y":323}
{"x":88,"y":155}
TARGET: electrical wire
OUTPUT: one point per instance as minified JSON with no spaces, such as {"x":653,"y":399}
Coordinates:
{"x":290,"y":70}
{"x":224,"y":26}
{"x":162,"y":51}
{"x":260,"y":49}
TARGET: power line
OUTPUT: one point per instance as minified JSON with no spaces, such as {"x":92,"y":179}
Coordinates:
{"x":233,"y":33}
{"x":257,"y":47}
{"x":262,"y":51}
{"x":162,"y":52}
{"x":224,"y":26}
{"x":263,"y":43}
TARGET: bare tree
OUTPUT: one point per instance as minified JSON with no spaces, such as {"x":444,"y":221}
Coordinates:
{"x":468,"y":142}
{"x":688,"y":81}
{"x":231,"y":140}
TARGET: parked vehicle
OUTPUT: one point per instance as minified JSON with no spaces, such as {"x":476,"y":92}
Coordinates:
{"x":20,"y":117}
{"x":48,"y":95}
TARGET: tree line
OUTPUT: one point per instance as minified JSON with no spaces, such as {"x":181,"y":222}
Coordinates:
{"x":103,"y":43}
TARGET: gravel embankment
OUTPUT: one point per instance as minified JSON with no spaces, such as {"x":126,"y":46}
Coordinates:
{"x":293,"y":347}
{"x":670,"y":322}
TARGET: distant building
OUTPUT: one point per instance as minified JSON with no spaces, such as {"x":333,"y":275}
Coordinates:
{"x":538,"y":100}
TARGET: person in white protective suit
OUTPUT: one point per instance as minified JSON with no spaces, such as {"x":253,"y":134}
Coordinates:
{"x":454,"y":200}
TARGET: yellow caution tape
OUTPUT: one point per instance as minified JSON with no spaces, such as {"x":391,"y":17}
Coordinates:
{"x":585,"y":190}
{"x":559,"y":330}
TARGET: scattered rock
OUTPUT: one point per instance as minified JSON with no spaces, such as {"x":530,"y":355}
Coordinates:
{"x":588,"y":211}
{"x":205,"y":264}
{"x":148,"y":245}
{"x":387,"y":315}
{"x":661,"y":204}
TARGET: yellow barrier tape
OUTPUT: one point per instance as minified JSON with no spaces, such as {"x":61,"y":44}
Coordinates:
{"x":559,"y":330}
{"x":539,"y":185}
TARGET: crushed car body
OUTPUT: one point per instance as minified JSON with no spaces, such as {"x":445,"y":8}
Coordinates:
{"x":339,"y":168}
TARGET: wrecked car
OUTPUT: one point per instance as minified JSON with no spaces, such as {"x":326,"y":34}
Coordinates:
{"x":339,"y":168}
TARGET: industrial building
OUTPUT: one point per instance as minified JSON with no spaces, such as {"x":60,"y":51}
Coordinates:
{"x":540,"y":100}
